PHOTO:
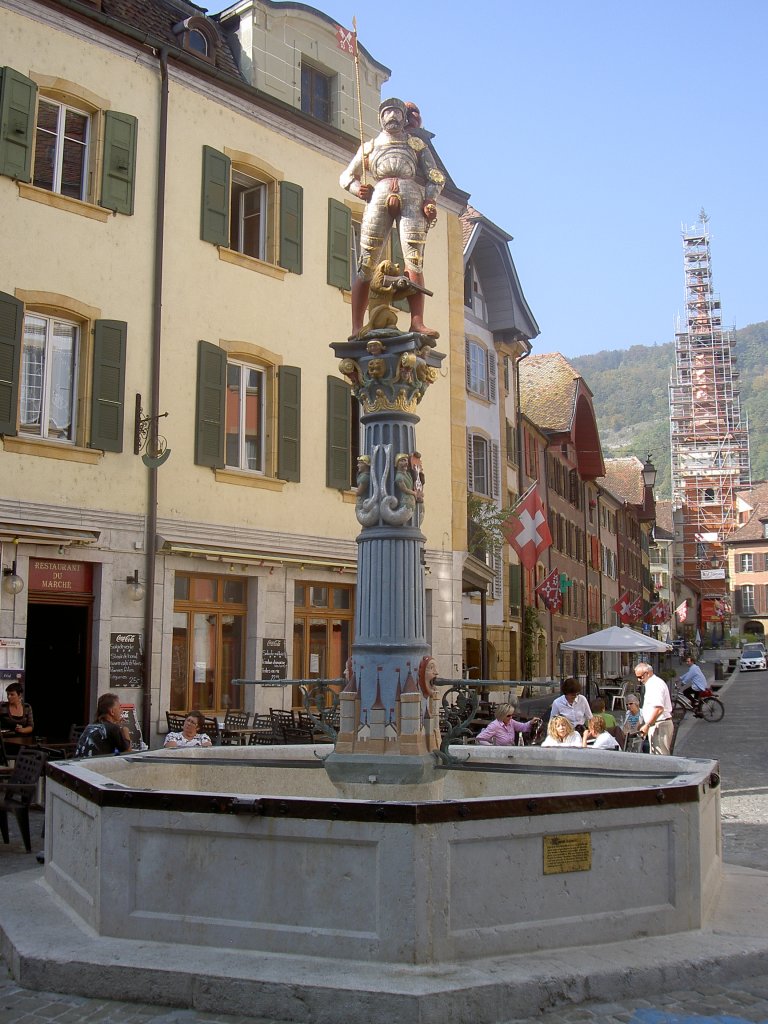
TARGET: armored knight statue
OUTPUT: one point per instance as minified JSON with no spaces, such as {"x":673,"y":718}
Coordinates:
{"x":396,"y":175}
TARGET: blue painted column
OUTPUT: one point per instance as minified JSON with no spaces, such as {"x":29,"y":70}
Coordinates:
{"x":389,"y":373}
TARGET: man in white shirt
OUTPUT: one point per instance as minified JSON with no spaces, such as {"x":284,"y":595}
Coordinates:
{"x":657,"y":710}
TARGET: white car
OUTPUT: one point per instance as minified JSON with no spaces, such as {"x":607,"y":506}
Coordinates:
{"x":752,"y":658}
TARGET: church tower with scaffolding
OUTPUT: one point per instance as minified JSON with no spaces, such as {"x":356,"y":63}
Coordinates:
{"x":709,"y":438}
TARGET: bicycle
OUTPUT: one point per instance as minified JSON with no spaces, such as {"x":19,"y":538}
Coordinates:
{"x":708,"y":707}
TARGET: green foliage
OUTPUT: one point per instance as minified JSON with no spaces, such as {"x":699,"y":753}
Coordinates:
{"x":631,"y":399}
{"x":531,"y":630}
{"x":486,"y":535}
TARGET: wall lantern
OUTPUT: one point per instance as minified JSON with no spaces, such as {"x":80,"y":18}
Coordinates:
{"x":12,"y":582}
{"x":135,"y":589}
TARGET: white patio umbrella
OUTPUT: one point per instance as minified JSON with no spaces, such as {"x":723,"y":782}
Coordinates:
{"x":616,"y":638}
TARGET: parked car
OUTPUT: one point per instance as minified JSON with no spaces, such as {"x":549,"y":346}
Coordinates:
{"x":752,"y":658}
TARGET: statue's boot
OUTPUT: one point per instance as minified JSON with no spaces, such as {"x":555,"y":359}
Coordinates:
{"x":360,"y":292}
{"x":416,"y":306}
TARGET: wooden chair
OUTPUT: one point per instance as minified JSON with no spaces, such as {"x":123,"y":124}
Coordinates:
{"x":18,"y":790}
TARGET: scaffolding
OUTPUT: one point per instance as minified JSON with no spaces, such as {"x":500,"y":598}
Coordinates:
{"x":709,"y":440}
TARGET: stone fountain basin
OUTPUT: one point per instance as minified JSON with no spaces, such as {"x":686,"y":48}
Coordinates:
{"x":254,"y":849}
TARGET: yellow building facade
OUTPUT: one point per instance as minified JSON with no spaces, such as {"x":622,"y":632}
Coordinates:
{"x":171,"y":413}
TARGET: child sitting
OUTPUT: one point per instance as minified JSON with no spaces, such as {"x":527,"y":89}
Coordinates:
{"x":596,"y":735}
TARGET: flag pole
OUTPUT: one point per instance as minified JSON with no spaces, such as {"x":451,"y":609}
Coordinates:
{"x":359,"y":98}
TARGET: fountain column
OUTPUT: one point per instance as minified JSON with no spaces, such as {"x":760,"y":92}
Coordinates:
{"x":388,"y":712}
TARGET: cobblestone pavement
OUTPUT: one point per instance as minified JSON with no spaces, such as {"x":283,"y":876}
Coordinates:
{"x":738,"y":742}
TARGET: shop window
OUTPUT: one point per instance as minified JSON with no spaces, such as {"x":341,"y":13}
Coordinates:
{"x":208,"y":648}
{"x":322,"y":631}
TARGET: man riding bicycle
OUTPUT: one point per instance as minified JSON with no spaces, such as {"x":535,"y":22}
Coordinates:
{"x":696,"y":684}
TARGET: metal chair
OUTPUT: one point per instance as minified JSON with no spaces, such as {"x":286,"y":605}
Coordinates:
{"x":17,"y":791}
{"x":233,"y":720}
{"x":262,"y":732}
{"x":175,"y":721}
{"x":211,"y":728}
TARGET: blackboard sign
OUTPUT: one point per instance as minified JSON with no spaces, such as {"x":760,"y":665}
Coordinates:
{"x":274,"y":659}
{"x":128,"y":719}
{"x":126,"y":660}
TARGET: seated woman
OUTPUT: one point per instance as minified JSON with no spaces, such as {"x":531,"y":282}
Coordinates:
{"x":596,"y":737}
{"x":15,"y":715}
{"x":503,"y":731}
{"x":190,"y":735}
{"x":633,"y":718}
{"x":571,"y":704}
{"x":560,"y":733}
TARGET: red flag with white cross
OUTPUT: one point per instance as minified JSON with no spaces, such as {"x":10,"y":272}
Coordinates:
{"x":526,"y":529}
{"x":622,"y":607}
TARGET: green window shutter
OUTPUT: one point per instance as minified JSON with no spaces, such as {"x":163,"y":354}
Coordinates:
{"x":108,"y":385}
{"x":17,"y":124}
{"x":338,"y":468}
{"x":514,"y":589}
{"x":399,"y":259}
{"x":11,"y":325}
{"x":211,"y":404}
{"x":118,"y":172}
{"x":291,"y":226}
{"x":214,"y":216}
{"x":289,"y":423}
{"x":339,"y":244}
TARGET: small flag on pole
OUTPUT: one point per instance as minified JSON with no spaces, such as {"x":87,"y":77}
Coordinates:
{"x":682,"y":611}
{"x":622,"y":607}
{"x":346,"y":39}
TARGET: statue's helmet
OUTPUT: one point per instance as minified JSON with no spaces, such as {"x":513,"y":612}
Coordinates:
{"x":401,"y":456}
{"x":393,"y":104}
{"x":364,"y":458}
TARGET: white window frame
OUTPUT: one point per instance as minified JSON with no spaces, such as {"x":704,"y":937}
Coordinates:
{"x":248,"y":185}
{"x":748,"y":605}
{"x":746,"y":563}
{"x":46,"y":382}
{"x":58,"y":158}
{"x":242,"y":462}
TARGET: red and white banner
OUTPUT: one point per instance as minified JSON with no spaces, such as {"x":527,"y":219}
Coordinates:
{"x":657,"y":613}
{"x":526,"y":529}
{"x":635,"y":610}
{"x":550,"y":593}
{"x":346,"y":39}
{"x":682,"y":611}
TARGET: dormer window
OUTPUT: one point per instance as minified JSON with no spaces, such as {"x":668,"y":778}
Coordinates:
{"x":197,"y":36}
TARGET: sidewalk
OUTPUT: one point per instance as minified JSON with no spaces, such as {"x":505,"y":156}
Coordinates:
{"x":738,"y":742}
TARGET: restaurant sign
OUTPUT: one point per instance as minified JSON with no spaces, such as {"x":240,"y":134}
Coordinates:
{"x":54,"y":576}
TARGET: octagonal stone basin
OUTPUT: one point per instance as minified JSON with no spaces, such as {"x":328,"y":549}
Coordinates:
{"x":254,"y":849}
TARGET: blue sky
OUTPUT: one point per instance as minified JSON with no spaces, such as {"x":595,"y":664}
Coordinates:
{"x":592,"y":132}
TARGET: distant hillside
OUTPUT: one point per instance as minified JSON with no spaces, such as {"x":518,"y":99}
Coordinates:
{"x":632,"y":399}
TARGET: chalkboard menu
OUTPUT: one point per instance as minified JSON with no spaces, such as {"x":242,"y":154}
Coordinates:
{"x":274,"y":659}
{"x":126,"y":660}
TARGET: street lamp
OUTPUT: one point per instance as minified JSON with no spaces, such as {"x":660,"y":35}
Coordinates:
{"x":12,"y":582}
{"x":649,"y":472}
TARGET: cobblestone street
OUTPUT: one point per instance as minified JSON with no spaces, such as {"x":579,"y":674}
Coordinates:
{"x":737,"y":742}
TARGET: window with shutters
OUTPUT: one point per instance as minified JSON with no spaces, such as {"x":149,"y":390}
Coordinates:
{"x":62,"y":374}
{"x":745,"y":563}
{"x":480,"y":370}
{"x":483,"y":471}
{"x":59,"y":138}
{"x":342,"y":435}
{"x":47,"y":392}
{"x":252,"y":215}
{"x":248,"y":415}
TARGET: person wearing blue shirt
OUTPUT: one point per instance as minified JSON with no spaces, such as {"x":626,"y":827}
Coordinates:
{"x":695,"y":682}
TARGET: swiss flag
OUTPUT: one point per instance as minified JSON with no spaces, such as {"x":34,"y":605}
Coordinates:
{"x":682,"y":611}
{"x":622,"y":607}
{"x":526,"y":529}
{"x":657,"y":614}
{"x":549,"y":591}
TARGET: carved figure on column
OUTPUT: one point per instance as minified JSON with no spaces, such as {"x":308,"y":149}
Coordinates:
{"x":397,"y":176}
{"x":417,"y":475}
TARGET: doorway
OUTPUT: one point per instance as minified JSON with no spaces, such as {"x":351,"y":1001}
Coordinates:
{"x":56,"y":677}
